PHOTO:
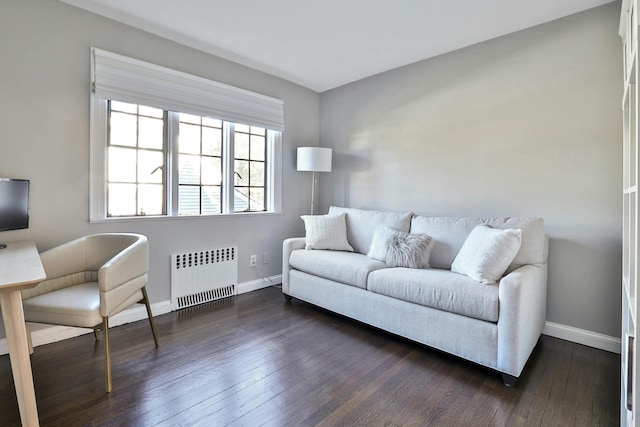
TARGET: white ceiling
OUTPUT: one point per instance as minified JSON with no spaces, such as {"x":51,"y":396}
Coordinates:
{"x":323,"y":44}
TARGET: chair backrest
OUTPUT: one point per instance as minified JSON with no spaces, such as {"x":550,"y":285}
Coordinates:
{"x":80,"y":260}
{"x":100,"y":248}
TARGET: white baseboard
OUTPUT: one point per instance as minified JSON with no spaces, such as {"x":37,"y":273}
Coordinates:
{"x":582,"y":336}
{"x":138,"y":312}
{"x":259,"y":284}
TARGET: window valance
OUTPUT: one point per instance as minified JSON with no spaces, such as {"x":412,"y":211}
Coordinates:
{"x":121,"y":78}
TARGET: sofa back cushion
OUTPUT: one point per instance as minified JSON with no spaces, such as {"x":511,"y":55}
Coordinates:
{"x":449,"y":234}
{"x":361,"y":224}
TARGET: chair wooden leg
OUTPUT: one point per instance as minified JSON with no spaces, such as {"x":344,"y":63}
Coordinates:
{"x":107,"y":356}
{"x":29,"y":340}
{"x":145,"y":298}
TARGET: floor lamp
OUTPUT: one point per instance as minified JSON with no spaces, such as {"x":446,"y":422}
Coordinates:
{"x":314,"y":159}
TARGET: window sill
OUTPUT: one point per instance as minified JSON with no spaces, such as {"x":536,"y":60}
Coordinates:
{"x":179,"y":218}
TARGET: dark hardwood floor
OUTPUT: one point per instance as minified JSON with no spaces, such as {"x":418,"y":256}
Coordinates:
{"x":255,"y":360}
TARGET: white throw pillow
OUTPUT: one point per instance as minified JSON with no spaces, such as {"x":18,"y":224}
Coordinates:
{"x":380,"y":243}
{"x":326,"y":232}
{"x":400,"y":249}
{"x":487,"y":253}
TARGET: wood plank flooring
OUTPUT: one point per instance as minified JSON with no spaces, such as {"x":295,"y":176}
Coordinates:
{"x":255,"y":360}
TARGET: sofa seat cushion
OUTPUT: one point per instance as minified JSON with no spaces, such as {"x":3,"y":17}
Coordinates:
{"x":440,"y":289}
{"x":344,"y":267}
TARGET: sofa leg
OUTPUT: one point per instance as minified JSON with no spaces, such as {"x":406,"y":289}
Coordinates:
{"x":509,"y":380}
{"x":287,"y":298}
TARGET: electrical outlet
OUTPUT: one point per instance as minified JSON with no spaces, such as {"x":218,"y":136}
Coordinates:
{"x":265,"y":257}
{"x":253,"y":261}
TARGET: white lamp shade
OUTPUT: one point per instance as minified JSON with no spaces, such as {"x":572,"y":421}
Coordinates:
{"x":314,"y":159}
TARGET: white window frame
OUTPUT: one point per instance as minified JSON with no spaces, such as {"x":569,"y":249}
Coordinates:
{"x":119,"y":78}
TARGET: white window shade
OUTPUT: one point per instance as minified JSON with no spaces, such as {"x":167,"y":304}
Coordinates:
{"x":121,"y":78}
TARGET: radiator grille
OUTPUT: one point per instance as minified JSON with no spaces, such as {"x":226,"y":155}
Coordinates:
{"x":203,"y":276}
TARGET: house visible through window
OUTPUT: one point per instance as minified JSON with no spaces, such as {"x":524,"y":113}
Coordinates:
{"x":168,"y":143}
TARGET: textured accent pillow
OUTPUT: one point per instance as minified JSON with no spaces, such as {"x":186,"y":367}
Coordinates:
{"x":487,"y":252}
{"x":400,"y":249}
{"x":326,"y":232}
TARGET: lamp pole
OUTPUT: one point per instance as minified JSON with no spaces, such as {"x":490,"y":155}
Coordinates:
{"x":313,"y":187}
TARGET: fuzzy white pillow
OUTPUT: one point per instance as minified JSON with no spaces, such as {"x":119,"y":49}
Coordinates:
{"x":326,"y":232}
{"x":487,"y":253}
{"x":400,"y":249}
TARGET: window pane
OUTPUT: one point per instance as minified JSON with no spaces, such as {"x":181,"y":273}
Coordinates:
{"x":241,"y":148}
{"x":148,"y":164}
{"x":188,"y":200}
{"x":258,"y":131}
{"x":189,"y":139}
{"x":241,"y":200}
{"x":211,"y":200}
{"x":207,"y":121}
{"x":189,"y":118}
{"x":150,"y":133}
{"x":121,"y":164}
{"x":257,"y":147}
{"x":150,"y":199}
{"x":122,"y":129}
{"x":241,"y":128}
{"x":151,"y":111}
{"x":241,"y":169}
{"x":189,"y":172}
{"x":124,"y":106}
{"x":256,"y":199}
{"x":257,"y":174}
{"x":211,"y":141}
{"x":121,"y":199}
{"x":211,"y":171}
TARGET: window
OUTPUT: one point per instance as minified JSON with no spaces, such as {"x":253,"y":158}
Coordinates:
{"x":135,"y":154}
{"x":249,"y":160}
{"x":200,"y":165}
{"x":179,"y":145}
{"x":139,"y":183}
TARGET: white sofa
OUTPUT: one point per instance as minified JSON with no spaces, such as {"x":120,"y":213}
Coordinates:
{"x":494,"y":325}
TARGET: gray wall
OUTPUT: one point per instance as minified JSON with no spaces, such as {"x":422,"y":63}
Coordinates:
{"x":526,"y":124}
{"x":44,"y":122}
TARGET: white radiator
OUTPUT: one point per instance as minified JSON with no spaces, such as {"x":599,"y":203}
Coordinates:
{"x":203,"y":276}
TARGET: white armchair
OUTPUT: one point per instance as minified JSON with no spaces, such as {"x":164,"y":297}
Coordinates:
{"x":89,"y":280}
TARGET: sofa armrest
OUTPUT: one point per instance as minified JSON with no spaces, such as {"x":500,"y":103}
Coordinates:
{"x":288,"y":246}
{"x":523,"y":313}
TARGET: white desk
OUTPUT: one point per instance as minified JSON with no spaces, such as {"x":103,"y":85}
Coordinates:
{"x":20,"y":268}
